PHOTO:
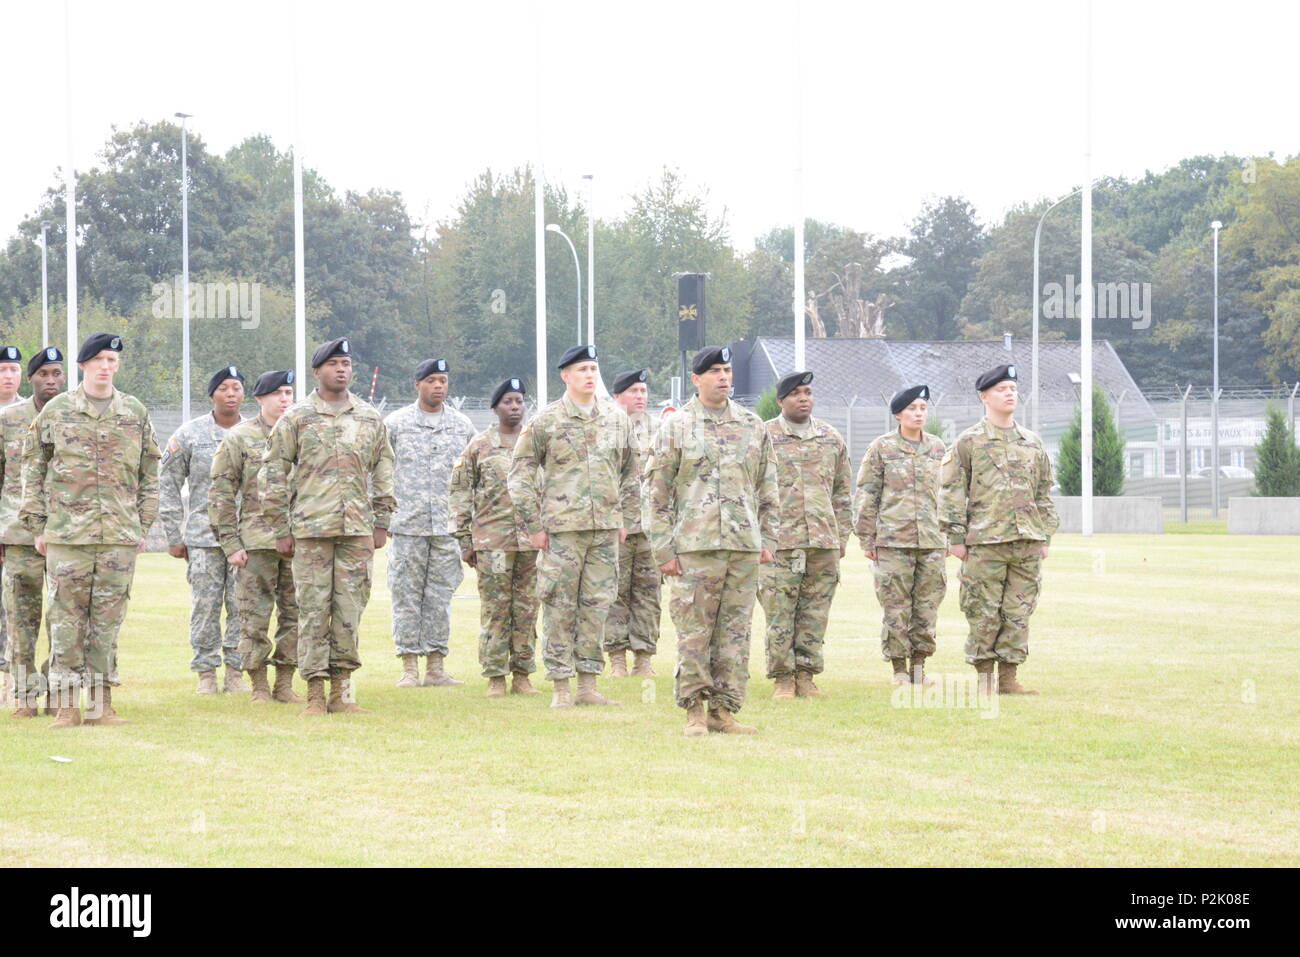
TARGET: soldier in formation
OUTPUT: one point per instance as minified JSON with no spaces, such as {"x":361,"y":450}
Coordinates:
{"x":24,"y":566}
{"x":816,"y":510}
{"x":576,"y":510}
{"x":90,"y":494}
{"x":633,"y":622}
{"x":264,"y":577}
{"x":11,"y":373}
{"x":187,"y":468}
{"x":423,"y":558}
{"x":712,"y":514}
{"x":899,"y":530}
{"x":999,"y":520}
{"x":328,"y":495}
{"x":494,"y":541}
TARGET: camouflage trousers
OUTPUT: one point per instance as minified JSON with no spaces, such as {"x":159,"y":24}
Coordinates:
{"x":577,"y":580}
{"x":423,"y":572}
{"x":24,"y":595}
{"x":331,"y":578}
{"x":265,"y":585}
{"x":999,"y":591}
{"x":212,"y":586}
{"x":712,"y":608}
{"x":633,"y":621}
{"x":4,"y":636}
{"x":795,"y":591}
{"x":507,"y":594}
{"x":910,"y":585}
{"x":90,"y":586}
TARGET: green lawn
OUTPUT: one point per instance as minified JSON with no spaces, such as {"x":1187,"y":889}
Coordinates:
{"x":1166,"y":734}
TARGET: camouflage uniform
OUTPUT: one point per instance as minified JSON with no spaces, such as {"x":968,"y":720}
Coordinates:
{"x":423,"y":561}
{"x":898,"y":515}
{"x":90,"y":486}
{"x":24,"y":567}
{"x":633,"y":621}
{"x":995,"y":501}
{"x":327,"y":480}
{"x":711,"y":502}
{"x":9,"y":513}
{"x":484,"y":519}
{"x":816,"y":510}
{"x":585,"y":492}
{"x":265,"y":583}
{"x":187,"y":463}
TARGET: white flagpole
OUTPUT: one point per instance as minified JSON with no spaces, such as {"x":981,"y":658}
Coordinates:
{"x":539,"y":214}
{"x":70,"y":199}
{"x":1085,"y":279}
{"x":799,"y":294}
{"x":299,"y":281}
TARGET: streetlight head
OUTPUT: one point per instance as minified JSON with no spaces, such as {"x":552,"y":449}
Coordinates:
{"x":182,"y":116}
{"x":552,"y":228}
{"x":1075,"y":378}
{"x":1216,"y":225}
{"x":46,"y":224}
{"x":586,"y":176}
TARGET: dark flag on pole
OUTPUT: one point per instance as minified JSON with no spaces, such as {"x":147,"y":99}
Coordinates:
{"x":690,"y":311}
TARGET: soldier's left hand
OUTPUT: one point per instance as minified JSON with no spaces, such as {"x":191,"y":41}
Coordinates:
{"x":239,"y":559}
{"x":622,"y":535}
{"x":765,"y":557}
{"x":468,"y":557}
{"x":139,"y":547}
{"x":1044,"y":551}
{"x":381,"y":536}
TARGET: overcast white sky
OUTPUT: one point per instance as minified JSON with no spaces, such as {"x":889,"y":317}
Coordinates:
{"x":901,"y":101}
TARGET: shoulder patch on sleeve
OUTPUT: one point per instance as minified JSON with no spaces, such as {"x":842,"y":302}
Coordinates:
{"x":947,"y":456}
{"x":173,"y":446}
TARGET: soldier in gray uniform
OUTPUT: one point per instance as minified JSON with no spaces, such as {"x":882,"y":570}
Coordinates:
{"x":187,"y":463}
{"x":424,"y":559}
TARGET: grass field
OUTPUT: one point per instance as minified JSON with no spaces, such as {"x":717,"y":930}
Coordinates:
{"x":1166,"y":734}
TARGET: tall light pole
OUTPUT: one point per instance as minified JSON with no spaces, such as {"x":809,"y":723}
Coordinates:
{"x":45,"y":286}
{"x":185,"y":272}
{"x":577,"y":270}
{"x":1033,"y":361}
{"x":1214,"y":395}
{"x":1085,"y":279}
{"x":799,"y":293}
{"x":591,"y":259}
{"x":70,"y":203}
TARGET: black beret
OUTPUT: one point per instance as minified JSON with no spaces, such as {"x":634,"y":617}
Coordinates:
{"x":10,"y":354}
{"x":221,"y":375}
{"x":791,"y":382}
{"x":429,"y":366}
{"x":991,"y":378}
{"x":708,"y":357}
{"x":44,"y":357}
{"x":577,"y":354}
{"x":335,"y":347}
{"x":96,"y":344}
{"x":626,"y":380}
{"x":269,"y":382}
{"x":510,"y":385}
{"x":905,"y":397}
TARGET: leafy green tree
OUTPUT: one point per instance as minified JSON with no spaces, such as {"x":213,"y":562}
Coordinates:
{"x":944,"y":243}
{"x":1107,"y":452}
{"x":1277,"y":460}
{"x":767,"y":408}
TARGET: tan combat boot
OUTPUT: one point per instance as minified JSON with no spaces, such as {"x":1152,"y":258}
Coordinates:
{"x":315,"y":699}
{"x":641,"y":664}
{"x":519,"y":684}
{"x":261,"y":689}
{"x":283,"y":690}
{"x":587,"y":693}
{"x":28,"y":707}
{"x":917,"y":671}
{"x":435,"y":677}
{"x":496,"y":687}
{"x":985,"y":684}
{"x":340,"y":691}
{"x":207,"y":683}
{"x":696,"y":726}
{"x":1007,"y":683}
{"x":561,"y":697}
{"x":618,"y":664}
{"x":783,"y":689}
{"x":723,"y":721}
{"x":99,"y":700}
{"x":900,"y":672}
{"x":68,"y":701}
{"x":234,"y":683}
{"x":805,"y":687}
{"x":410,"y":672}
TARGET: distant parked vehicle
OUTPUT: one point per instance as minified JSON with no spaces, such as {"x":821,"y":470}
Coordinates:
{"x":1225,"y":471}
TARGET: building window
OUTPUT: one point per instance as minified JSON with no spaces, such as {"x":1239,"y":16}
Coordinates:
{"x":1136,"y":464}
{"x":1171,"y":462}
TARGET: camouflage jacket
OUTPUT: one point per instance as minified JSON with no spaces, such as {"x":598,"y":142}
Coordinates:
{"x":235,"y":510}
{"x":423,"y":457}
{"x":326,"y":474}
{"x":90,"y":479}
{"x":483,"y":517}
{"x":588,"y":477}
{"x":15,"y":420}
{"x":813,"y":484}
{"x":643,"y":439}
{"x":995,"y":490}
{"x":898,"y":493}
{"x":710,"y":484}
{"x":187,"y":461}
